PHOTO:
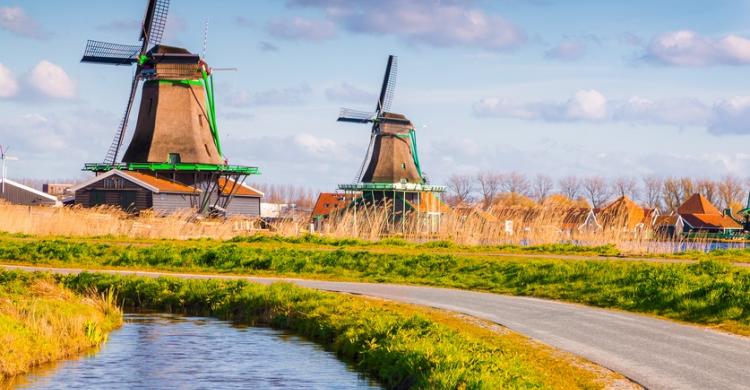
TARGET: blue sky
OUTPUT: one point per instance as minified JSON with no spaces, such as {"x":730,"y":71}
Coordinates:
{"x":537,"y":86}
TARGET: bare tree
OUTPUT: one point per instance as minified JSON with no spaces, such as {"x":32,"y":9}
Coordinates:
{"x":672,"y":194}
{"x":687,"y":188}
{"x":595,"y":189}
{"x":652,"y":191}
{"x":708,"y":188}
{"x":460,"y":187}
{"x":625,"y":186}
{"x":730,"y":192}
{"x":514,"y":183}
{"x":569,"y":186}
{"x":542,"y":187}
{"x":489,"y":185}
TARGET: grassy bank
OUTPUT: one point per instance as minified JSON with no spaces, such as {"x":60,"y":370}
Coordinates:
{"x":41,"y":321}
{"x":709,"y":292}
{"x":400,"y":345}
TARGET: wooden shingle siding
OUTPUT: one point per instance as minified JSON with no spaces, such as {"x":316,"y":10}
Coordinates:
{"x":247,"y":206}
{"x":169,"y":203}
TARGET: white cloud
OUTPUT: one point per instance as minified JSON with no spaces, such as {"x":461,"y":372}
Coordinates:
{"x":52,"y":81}
{"x":585,"y":105}
{"x":8,"y":82}
{"x":688,"y":48}
{"x":731,"y":116}
{"x":298,"y":28}
{"x":348,"y":93}
{"x":678,"y":112}
{"x":429,"y":22}
{"x":15,"y":20}
{"x":567,"y":50}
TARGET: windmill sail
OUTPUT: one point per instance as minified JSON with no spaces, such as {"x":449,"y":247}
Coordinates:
{"x":110,"y":53}
{"x":389,"y":85}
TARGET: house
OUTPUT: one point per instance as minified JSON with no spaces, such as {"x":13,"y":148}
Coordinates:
{"x":579,"y":220}
{"x":135,"y":191}
{"x":245,"y":201}
{"x":700,"y":216}
{"x":17,"y":193}
{"x":669,"y":226}
{"x":327,"y":204}
{"x":623,"y":214}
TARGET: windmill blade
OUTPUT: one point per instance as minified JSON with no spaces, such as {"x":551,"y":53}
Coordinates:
{"x":356,"y":116}
{"x":152,"y":28}
{"x":110,"y":53}
{"x":114,"y":148}
{"x":389,"y":85}
{"x":368,"y":156}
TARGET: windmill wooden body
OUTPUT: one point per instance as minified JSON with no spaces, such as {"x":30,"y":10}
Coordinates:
{"x":391,"y":175}
{"x":176,"y":135}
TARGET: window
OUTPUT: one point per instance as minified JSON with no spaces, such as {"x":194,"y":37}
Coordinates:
{"x":174,"y":158}
{"x":113,"y":183}
{"x":403,"y":166}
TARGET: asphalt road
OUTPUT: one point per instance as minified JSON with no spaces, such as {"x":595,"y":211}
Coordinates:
{"x":657,"y":354}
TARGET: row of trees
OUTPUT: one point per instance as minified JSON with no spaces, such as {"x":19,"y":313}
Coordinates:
{"x":488,"y":188}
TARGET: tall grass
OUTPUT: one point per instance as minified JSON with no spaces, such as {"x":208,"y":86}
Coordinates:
{"x":41,"y":321}
{"x":538,"y":225}
{"x":400,"y":346}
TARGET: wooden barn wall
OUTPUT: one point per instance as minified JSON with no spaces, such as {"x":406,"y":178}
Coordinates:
{"x":169,"y":203}
{"x":112,"y":196}
{"x":20,"y":196}
{"x":242,"y":205}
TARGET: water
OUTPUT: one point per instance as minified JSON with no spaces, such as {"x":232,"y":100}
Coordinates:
{"x":159,"y":351}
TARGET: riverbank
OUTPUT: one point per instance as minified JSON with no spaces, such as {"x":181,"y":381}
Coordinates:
{"x":42,"y":321}
{"x":708,"y":292}
{"x":402,"y":346}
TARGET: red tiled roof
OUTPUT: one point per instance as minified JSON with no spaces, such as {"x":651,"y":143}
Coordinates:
{"x":330,"y":201}
{"x":710,"y":221}
{"x":241,"y":190}
{"x":163,"y":185}
{"x":697,"y":204}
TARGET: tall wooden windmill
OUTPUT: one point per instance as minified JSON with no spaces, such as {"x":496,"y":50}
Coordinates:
{"x":391,"y":173}
{"x":176,"y":134}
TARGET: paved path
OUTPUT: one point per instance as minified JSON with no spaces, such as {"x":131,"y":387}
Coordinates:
{"x":657,"y":354}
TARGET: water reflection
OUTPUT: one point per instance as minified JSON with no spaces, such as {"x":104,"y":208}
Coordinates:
{"x":158,"y":351}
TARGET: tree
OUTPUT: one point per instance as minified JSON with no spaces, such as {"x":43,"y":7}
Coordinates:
{"x":652,"y":190}
{"x":708,"y":188}
{"x":731,"y":192}
{"x":671,"y":194}
{"x":569,"y":186}
{"x":489,"y":185}
{"x":514,"y":183}
{"x":595,"y":189}
{"x":460,"y":187}
{"x":541,"y":187}
{"x":625,"y":186}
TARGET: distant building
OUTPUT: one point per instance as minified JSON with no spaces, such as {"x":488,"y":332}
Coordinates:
{"x":625,"y":215}
{"x":272,"y":211}
{"x":17,"y":193}
{"x":700,"y":216}
{"x":245,"y":201}
{"x":59,"y":190}
{"x":669,"y":226}
{"x":580,"y":220}
{"x":327,"y":204}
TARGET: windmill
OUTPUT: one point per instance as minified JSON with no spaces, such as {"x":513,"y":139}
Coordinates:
{"x":390,"y":173}
{"x":391,"y":156}
{"x":4,"y":170}
{"x":176,"y":131}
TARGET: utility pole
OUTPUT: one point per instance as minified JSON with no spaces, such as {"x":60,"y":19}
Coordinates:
{"x":4,"y":156}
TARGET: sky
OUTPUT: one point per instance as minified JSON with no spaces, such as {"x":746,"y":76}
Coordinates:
{"x":535,"y":86}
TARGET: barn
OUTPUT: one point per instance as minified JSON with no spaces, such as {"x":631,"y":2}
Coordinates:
{"x":135,"y":191}
{"x":17,"y":193}
{"x":245,"y":201}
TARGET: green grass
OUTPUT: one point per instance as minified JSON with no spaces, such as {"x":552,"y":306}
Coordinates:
{"x":401,"y":346}
{"x":709,"y":292}
{"x":41,"y":321}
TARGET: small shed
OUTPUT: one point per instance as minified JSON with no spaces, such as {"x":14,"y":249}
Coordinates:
{"x":135,"y":191}
{"x":245,"y":201}
{"x":17,"y":193}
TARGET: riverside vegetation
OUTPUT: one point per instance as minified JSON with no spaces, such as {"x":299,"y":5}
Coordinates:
{"x":41,"y":321}
{"x":707,"y":292}
{"x":400,"y":345}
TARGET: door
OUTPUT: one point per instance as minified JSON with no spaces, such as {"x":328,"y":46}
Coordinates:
{"x":127,"y":200}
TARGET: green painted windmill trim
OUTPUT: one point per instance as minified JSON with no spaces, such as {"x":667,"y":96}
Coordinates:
{"x":180,"y":167}
{"x":407,"y":187}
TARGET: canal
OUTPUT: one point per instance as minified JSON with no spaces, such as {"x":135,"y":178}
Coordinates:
{"x":160,"y":351}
